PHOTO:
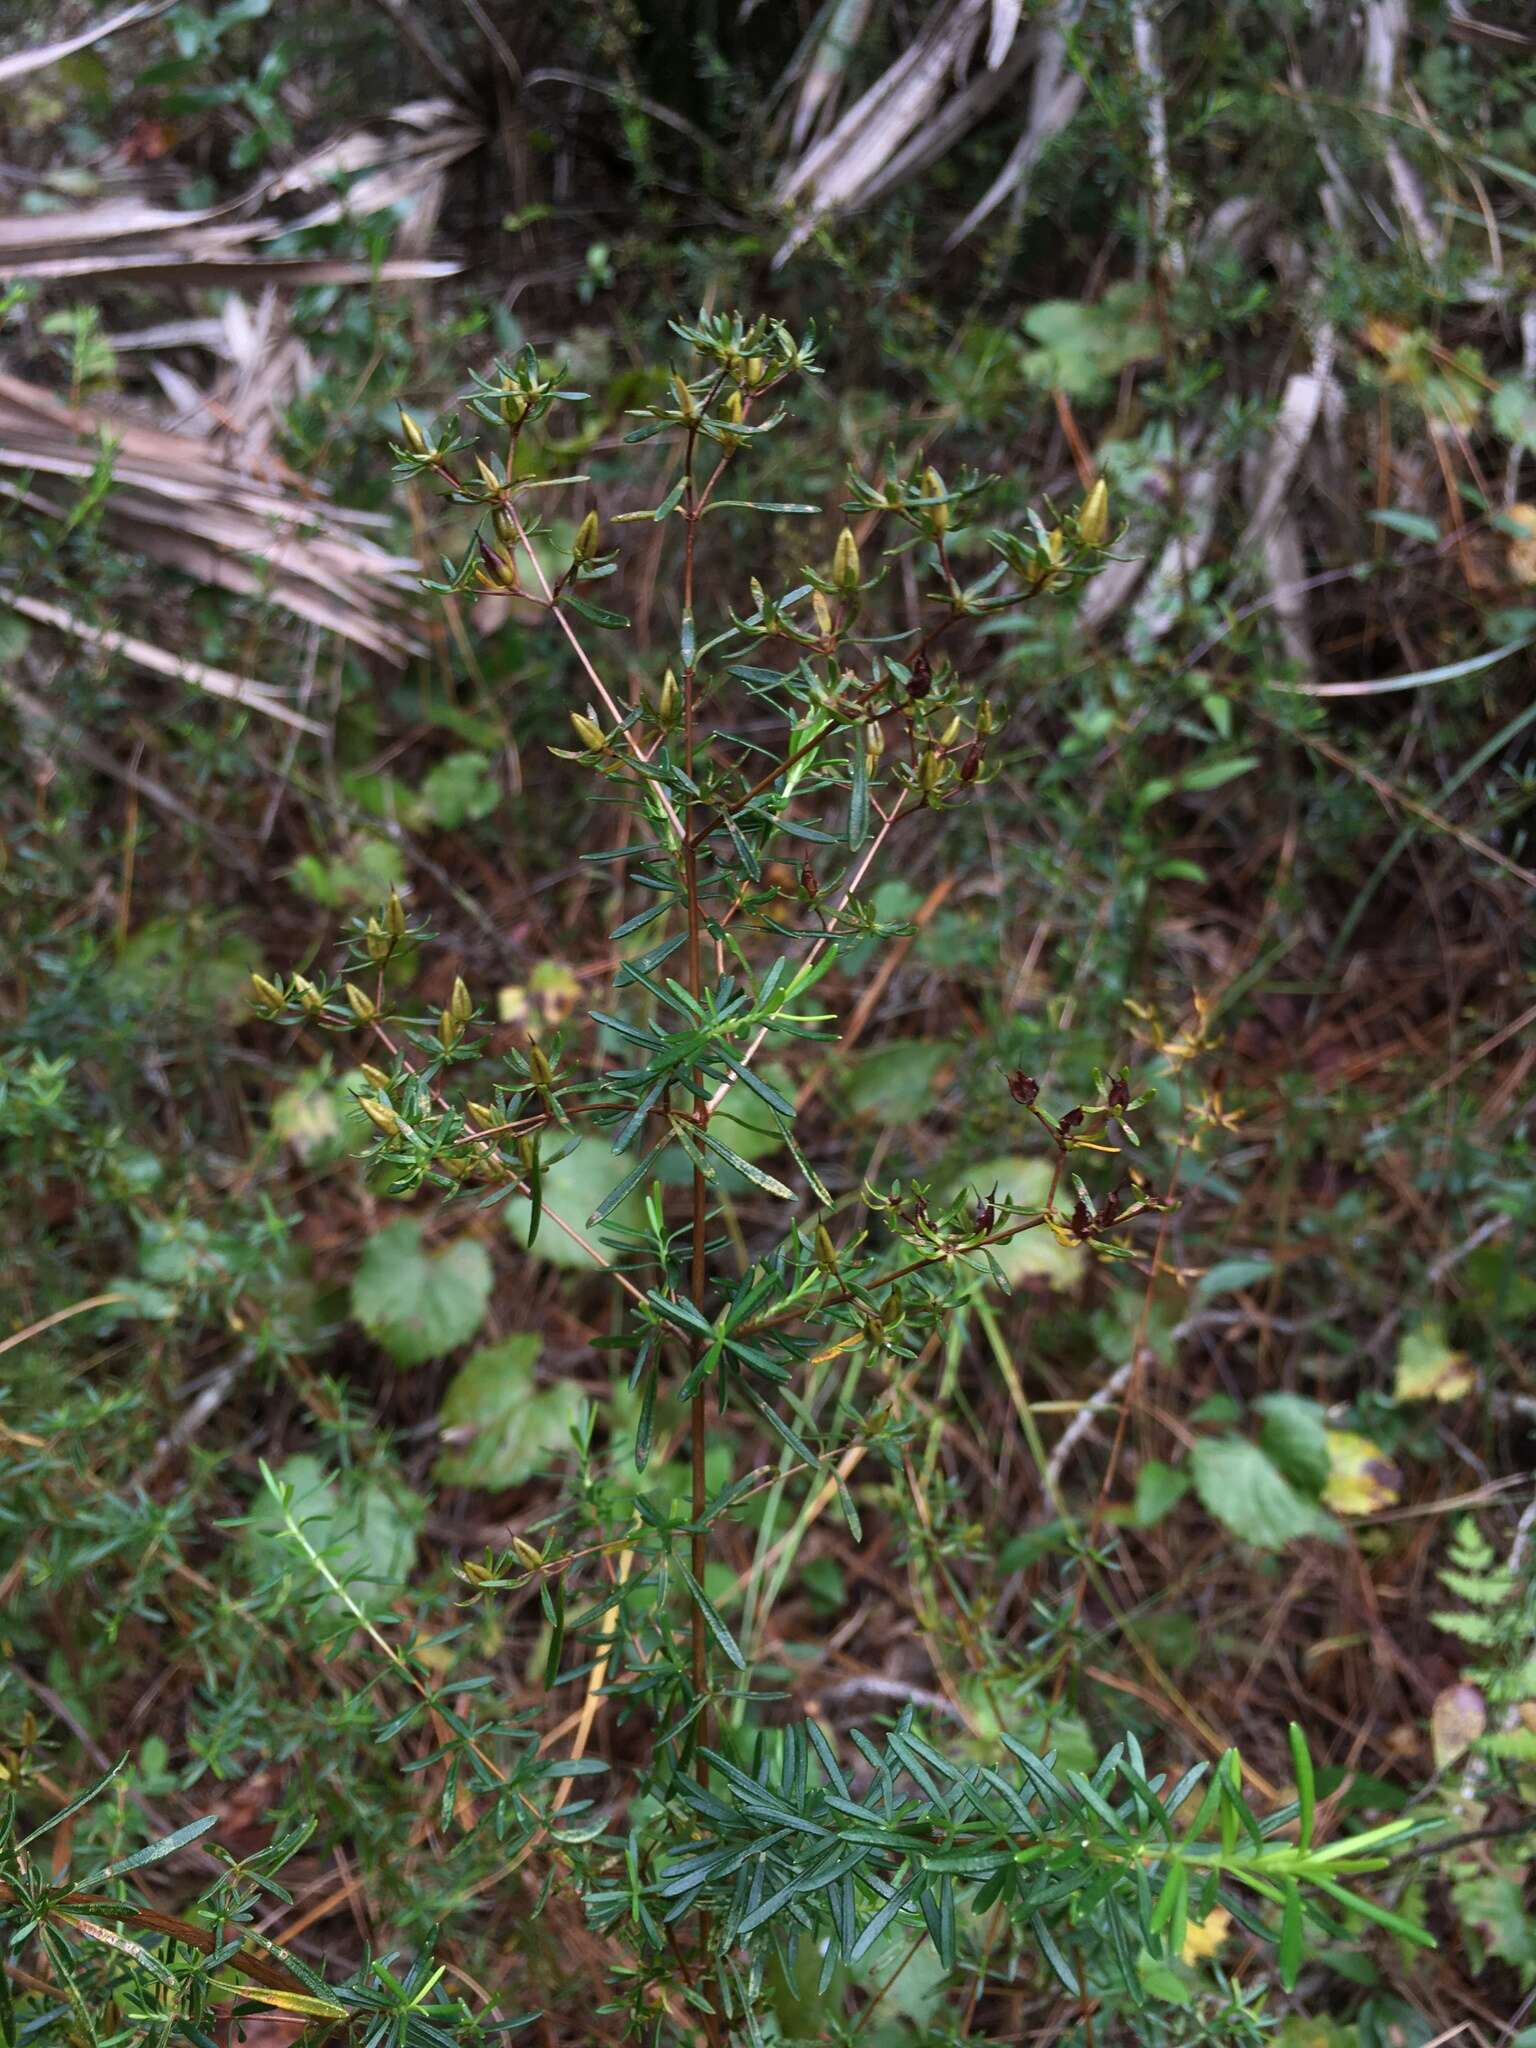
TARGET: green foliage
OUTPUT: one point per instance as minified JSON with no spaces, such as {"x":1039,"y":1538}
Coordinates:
{"x":1248,"y":1492}
{"x":507,"y":1429}
{"x":856,"y":1374}
{"x":420,"y":1304}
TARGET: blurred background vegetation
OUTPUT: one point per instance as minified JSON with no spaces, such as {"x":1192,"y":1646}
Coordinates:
{"x":1269,"y":269}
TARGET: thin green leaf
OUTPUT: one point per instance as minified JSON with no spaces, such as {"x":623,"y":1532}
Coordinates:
{"x":712,"y":1620}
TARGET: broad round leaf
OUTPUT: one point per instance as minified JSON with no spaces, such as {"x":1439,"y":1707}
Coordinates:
{"x":497,"y":1429}
{"x":574,"y":1186}
{"x":420,"y":1304}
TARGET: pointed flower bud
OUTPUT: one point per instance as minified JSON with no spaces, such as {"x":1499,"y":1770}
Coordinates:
{"x":845,"y":561}
{"x":375,"y":1077}
{"x":266,"y":995}
{"x":933,"y":487}
{"x":525,"y":1553}
{"x":823,"y":613}
{"x":460,"y":1002}
{"x":733,"y":409}
{"x":589,"y":732}
{"x":585,"y":546}
{"x":669,"y":704}
{"x":415,"y":439}
{"x":394,"y":916}
{"x":1093,"y":519}
{"x":380,"y":1115}
{"x":487,"y":475}
{"x":363,"y":1007}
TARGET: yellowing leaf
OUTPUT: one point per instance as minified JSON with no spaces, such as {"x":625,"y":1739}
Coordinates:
{"x":1428,"y":1369}
{"x":1456,"y":1720}
{"x":281,"y":2001}
{"x":1202,"y":1938}
{"x":1522,"y":549}
{"x":1362,"y":1479}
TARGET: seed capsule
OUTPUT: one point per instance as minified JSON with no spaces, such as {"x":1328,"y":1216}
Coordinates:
{"x":381,"y":1115}
{"x":585,"y":546}
{"x":362,"y":1006}
{"x":933,"y":487}
{"x":394,"y":916}
{"x":266,"y":994}
{"x":529,"y":1558}
{"x":589,"y":732}
{"x":375,"y":1077}
{"x":460,"y":1002}
{"x":415,"y":439}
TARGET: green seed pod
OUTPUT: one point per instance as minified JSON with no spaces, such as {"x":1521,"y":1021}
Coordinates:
{"x":480,"y":1114}
{"x":460,"y":1002}
{"x":826,"y":1250}
{"x":733,"y":409}
{"x":669,"y":704}
{"x":375,"y":1077}
{"x":933,"y":487}
{"x":538,"y":1066}
{"x":363,"y":1007}
{"x":415,"y":439}
{"x":526,"y":1555}
{"x":449,"y":1030}
{"x":585,"y":546}
{"x":394,"y":916}
{"x":310,"y":999}
{"x":381,"y":1115}
{"x":589,"y":732}
{"x":505,"y":526}
{"x":378,"y":942}
{"x":266,"y":995}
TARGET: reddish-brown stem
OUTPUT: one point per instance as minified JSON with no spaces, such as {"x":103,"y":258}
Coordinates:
{"x":697,"y":1277}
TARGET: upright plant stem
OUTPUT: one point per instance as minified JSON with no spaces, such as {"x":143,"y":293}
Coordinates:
{"x":697,"y":1277}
